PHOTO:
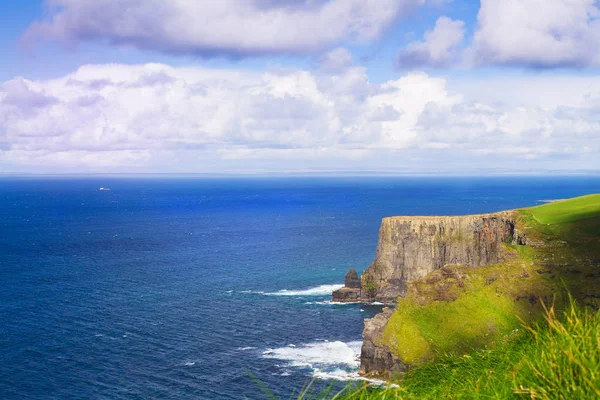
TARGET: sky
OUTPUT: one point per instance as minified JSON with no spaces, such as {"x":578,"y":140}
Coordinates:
{"x":400,"y":87}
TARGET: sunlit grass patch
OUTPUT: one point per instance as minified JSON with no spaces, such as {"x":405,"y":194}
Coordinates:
{"x":566,"y":211}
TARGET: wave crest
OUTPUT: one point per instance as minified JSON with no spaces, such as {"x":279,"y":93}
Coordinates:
{"x":326,"y":360}
{"x":322,"y":290}
{"x":319,"y":356}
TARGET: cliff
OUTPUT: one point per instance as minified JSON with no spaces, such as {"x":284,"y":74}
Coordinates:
{"x":464,"y":283}
{"x":409,"y":248}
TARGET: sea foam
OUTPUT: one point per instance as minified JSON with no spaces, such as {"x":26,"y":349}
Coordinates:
{"x":321,"y":357}
{"x":322,"y":290}
{"x":326,"y":360}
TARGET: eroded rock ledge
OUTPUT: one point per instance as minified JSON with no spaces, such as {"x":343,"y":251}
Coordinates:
{"x":410,"y":248}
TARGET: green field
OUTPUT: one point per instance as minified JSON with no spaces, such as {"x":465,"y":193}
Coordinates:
{"x":568,"y":211}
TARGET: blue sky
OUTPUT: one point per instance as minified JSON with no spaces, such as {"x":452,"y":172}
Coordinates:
{"x":57,"y":60}
{"x":303,"y":86}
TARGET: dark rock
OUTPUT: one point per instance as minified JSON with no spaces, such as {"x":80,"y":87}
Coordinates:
{"x":519,"y":238}
{"x":351,"y":292}
{"x":346,"y":295}
{"x":376,"y":359}
{"x":352,"y":280}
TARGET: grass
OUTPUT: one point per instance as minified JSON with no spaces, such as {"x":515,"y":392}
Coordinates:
{"x":459,"y":309}
{"x":558,"y":358}
{"x":568,"y":211}
{"x":418,"y":334}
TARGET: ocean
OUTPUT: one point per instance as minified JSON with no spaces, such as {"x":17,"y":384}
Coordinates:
{"x":179,"y":288}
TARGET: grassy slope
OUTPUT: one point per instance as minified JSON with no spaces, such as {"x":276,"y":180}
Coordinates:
{"x":556,"y":359}
{"x":464,"y":326}
{"x":568,"y":211}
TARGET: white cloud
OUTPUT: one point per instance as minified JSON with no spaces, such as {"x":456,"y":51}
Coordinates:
{"x":230,"y":27}
{"x":523,"y":33}
{"x":440,"y":47}
{"x":155,"y":117}
{"x":336,"y":60}
{"x":538,"y":33}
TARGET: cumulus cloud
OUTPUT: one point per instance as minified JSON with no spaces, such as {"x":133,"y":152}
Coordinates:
{"x":538,"y":33}
{"x":440,"y":47}
{"x":336,"y":60}
{"x":155,"y":117}
{"x":223,"y":27}
{"x":524,"y":33}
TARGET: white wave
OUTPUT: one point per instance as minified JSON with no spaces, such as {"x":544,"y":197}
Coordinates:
{"x":550,"y":201}
{"x":246,"y":348}
{"x":336,"y":303}
{"x":327,"y":360}
{"x":252,"y":292}
{"x":329,"y":303}
{"x":322,"y":290}
{"x":319,"y":355}
{"x":190,"y":363}
{"x":343,"y":375}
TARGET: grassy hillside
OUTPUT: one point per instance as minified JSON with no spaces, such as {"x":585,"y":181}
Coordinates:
{"x":493,"y":332}
{"x":568,"y":211}
{"x":559,"y":358}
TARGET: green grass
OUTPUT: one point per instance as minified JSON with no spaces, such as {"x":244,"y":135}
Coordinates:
{"x":466,"y":309}
{"x":568,"y":211}
{"x":558,"y":358}
{"x":418,"y":333}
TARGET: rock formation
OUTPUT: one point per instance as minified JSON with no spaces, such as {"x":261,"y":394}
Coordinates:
{"x":351,"y":280}
{"x":351,"y":292}
{"x":376,"y":359}
{"x":410,"y":248}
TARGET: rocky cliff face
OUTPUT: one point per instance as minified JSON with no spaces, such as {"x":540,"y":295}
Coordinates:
{"x":411,"y":247}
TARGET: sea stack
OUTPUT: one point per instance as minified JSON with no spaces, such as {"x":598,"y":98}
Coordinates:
{"x":351,"y":290}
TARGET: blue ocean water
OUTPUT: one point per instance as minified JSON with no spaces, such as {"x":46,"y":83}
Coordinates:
{"x":183,"y":288}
